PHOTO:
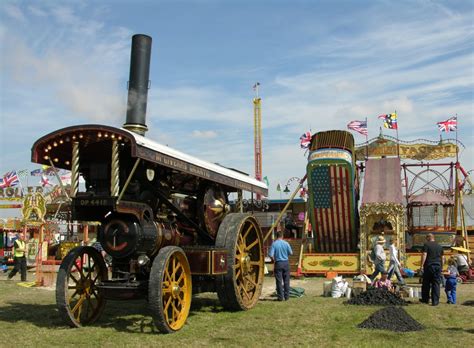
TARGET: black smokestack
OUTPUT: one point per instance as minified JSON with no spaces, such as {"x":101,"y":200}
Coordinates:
{"x":138,"y":84}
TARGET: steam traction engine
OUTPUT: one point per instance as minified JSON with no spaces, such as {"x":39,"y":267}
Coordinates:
{"x":164,"y":218}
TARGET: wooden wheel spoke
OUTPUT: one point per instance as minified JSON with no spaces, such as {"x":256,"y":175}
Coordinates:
{"x":73,"y":278}
{"x":255,"y":263}
{"x":250,"y":280}
{"x":94,"y":293}
{"x":167,"y":304}
{"x":247,"y":232}
{"x":72,"y":296}
{"x":238,"y":273}
{"x":181,"y":277}
{"x":175,"y":310}
{"x":255,"y":242}
{"x":78,"y":305}
{"x":242,"y":287}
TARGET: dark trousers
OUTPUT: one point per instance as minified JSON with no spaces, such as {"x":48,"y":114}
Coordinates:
{"x":20,"y":264}
{"x":431,"y":281}
{"x":282,"y":277}
{"x":379,"y":268}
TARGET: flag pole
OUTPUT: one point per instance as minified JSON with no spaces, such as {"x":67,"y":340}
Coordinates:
{"x":367,"y":141}
{"x":398,"y":141}
{"x":457,"y":150}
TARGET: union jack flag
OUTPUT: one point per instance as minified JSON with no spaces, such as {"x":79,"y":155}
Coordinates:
{"x":305,"y":140}
{"x":450,"y":125}
{"x":10,"y":179}
{"x":358,"y":126}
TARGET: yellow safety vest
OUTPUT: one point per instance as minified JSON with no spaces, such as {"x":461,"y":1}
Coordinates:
{"x":21,"y":244}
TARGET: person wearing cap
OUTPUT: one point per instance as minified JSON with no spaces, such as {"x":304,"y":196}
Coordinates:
{"x":432,"y":263}
{"x":380,"y":257}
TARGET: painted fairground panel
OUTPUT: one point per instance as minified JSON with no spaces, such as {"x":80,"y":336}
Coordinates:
{"x":323,"y":263}
{"x":413,"y":260}
{"x":385,"y":145}
{"x":332,"y":189}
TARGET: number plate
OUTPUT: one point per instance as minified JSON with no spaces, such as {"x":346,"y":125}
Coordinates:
{"x":94,"y":202}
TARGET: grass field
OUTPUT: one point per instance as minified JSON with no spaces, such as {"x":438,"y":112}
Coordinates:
{"x":313,"y":320}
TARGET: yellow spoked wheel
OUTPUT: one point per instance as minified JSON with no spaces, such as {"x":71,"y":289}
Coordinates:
{"x":77,"y":297}
{"x":241,"y":287}
{"x":170,"y":289}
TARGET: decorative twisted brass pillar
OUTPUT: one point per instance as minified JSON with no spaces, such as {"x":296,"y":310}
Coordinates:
{"x":240,"y":202}
{"x":114,"y":177}
{"x":75,"y":169}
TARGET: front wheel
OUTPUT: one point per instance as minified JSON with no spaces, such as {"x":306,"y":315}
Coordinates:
{"x":77,"y":296}
{"x":170,"y":289}
{"x":241,"y":286}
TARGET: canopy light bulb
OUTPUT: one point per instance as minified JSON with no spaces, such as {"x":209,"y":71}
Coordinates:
{"x":67,"y":163}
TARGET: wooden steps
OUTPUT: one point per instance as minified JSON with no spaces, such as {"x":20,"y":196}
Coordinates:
{"x":296,"y":245}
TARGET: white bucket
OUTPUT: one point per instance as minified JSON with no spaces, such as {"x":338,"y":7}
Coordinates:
{"x":327,"y":288}
{"x":348,"y":292}
{"x":410,"y":292}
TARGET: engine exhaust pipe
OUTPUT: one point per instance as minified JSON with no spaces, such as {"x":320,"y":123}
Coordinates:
{"x":138,"y":84}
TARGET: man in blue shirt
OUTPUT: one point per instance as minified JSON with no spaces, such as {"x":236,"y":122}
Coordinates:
{"x":279,"y":252}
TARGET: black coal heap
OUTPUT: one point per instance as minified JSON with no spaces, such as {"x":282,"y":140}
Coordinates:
{"x":376,"y":296}
{"x":393,"y":319}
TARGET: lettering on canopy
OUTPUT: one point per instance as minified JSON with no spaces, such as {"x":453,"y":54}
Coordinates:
{"x":384,"y":147}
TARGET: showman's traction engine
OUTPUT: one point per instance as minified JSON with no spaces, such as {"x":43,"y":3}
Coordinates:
{"x":164,"y":218}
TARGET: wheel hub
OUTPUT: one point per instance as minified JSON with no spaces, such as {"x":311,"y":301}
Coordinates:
{"x":245,"y":262}
{"x":175,"y":290}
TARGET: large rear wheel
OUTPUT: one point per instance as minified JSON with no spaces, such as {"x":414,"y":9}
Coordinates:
{"x":170,"y":289}
{"x":77,"y":296}
{"x":241,"y":286}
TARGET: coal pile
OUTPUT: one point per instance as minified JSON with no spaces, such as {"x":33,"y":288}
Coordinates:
{"x":376,"y":296}
{"x":393,"y":319}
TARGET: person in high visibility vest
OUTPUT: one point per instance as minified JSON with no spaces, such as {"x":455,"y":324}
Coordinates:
{"x":19,"y":256}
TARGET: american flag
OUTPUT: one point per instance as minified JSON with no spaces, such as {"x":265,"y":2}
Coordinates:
{"x":10,"y":179}
{"x":332,"y":195}
{"x":390,"y":120}
{"x":358,"y":126}
{"x":305,"y":140}
{"x":450,"y":125}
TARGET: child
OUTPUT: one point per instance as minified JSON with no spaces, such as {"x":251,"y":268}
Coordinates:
{"x":384,"y":282}
{"x":451,"y":282}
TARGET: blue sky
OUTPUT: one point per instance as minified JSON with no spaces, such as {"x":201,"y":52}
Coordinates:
{"x":321,"y":64}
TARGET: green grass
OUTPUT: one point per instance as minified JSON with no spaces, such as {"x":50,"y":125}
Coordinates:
{"x":308,"y":321}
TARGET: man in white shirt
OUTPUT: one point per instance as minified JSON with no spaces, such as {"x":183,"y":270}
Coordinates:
{"x":394,"y":265}
{"x":462,"y":263}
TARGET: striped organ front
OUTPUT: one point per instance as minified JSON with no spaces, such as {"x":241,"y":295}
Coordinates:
{"x":332,"y":192}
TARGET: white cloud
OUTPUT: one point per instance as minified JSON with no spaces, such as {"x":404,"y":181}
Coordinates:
{"x":14,"y":12}
{"x":207,"y":134}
